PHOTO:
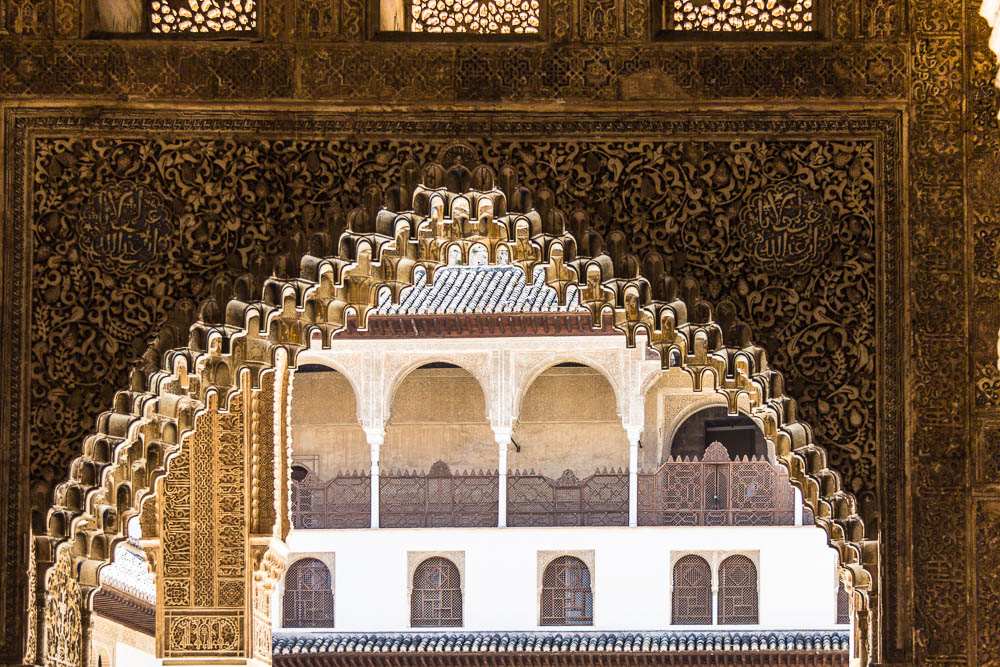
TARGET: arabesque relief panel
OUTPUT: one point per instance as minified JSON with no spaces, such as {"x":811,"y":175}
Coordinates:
{"x":131,"y":229}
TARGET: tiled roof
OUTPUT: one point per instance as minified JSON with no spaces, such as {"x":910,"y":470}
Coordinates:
{"x":479,"y":289}
{"x":539,"y":642}
{"x":129,"y":573}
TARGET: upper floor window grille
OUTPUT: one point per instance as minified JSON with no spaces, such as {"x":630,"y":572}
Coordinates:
{"x":437,"y":594}
{"x":692,"y":595}
{"x":738,"y":591}
{"x":567,"y":598}
{"x":843,"y":605}
{"x":481,"y":17}
{"x":308,"y":601}
{"x":739,"y":15}
{"x":202,"y":16}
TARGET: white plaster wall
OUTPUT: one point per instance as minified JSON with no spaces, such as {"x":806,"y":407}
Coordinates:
{"x":130,"y":656}
{"x":797,"y":574}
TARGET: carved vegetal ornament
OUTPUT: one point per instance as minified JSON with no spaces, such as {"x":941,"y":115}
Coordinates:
{"x":202,"y":446}
{"x":63,"y":616}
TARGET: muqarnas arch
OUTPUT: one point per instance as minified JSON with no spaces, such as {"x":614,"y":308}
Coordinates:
{"x":200,"y":450}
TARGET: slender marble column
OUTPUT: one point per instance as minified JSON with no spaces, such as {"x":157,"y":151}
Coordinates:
{"x":503,"y":438}
{"x":634,"y":433}
{"x":375,"y":437}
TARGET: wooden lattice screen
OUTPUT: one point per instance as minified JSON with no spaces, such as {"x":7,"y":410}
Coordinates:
{"x":308,"y":600}
{"x":341,"y":502}
{"x":738,"y":591}
{"x":436,"y":600}
{"x":567,"y":598}
{"x":716,"y":492}
{"x":843,"y":605}
{"x":598,"y":500}
{"x":691,"y":602}
{"x":438,"y":498}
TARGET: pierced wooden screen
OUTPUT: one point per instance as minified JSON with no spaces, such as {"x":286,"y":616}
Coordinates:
{"x":438,"y":498}
{"x":692,"y":597}
{"x":738,"y":591}
{"x":740,"y":15}
{"x":566,"y":595}
{"x":598,"y":500}
{"x":437,"y":595}
{"x":308,"y":601}
{"x":341,"y":502}
{"x":716,"y":492}
{"x":843,"y":605}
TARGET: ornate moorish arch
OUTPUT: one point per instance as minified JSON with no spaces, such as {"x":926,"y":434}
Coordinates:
{"x":200,"y":449}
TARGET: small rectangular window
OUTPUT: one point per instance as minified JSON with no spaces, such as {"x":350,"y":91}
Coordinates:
{"x":733,"y":19}
{"x":455,"y":18}
{"x":202,"y":16}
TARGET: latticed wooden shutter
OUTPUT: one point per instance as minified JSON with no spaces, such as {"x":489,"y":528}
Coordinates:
{"x":692,"y":596}
{"x":308,"y":601}
{"x":843,"y":604}
{"x":738,"y":591}
{"x":437,"y":594}
{"x":567,"y":598}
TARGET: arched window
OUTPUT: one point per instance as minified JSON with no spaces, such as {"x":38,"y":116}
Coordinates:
{"x":692,"y":596}
{"x":843,"y":605}
{"x":437,"y":594}
{"x":737,"y":591}
{"x":308,"y":601}
{"x":566,"y":595}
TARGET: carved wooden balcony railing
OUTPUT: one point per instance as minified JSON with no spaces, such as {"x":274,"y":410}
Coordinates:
{"x":716,"y":491}
{"x":713,"y":491}
{"x":341,"y":502}
{"x":598,"y":500}
{"x":438,"y":498}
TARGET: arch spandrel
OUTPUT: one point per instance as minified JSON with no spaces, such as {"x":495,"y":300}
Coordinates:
{"x":529,"y":365}
{"x":399,"y":365}
{"x":355,"y":367}
{"x":230,"y":348}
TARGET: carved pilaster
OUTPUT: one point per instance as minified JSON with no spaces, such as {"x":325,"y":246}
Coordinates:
{"x":205,"y":550}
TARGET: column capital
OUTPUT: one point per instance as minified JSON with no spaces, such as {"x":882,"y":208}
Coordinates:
{"x":634,"y":433}
{"x":375,"y":435}
{"x":503,"y":434}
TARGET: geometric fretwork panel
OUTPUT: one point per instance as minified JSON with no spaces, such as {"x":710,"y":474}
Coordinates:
{"x":202,"y":15}
{"x":716,"y":493}
{"x":843,"y":605}
{"x":598,"y":500}
{"x":308,"y":601}
{"x":475,"y":16}
{"x":438,"y":498}
{"x":692,"y":594}
{"x":184,"y":209}
{"x":567,"y":598}
{"x":340,"y":502}
{"x":436,"y":600}
{"x":743,"y":15}
{"x":738,"y":591}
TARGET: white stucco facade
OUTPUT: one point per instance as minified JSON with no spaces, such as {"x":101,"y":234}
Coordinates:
{"x":631,"y":578}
